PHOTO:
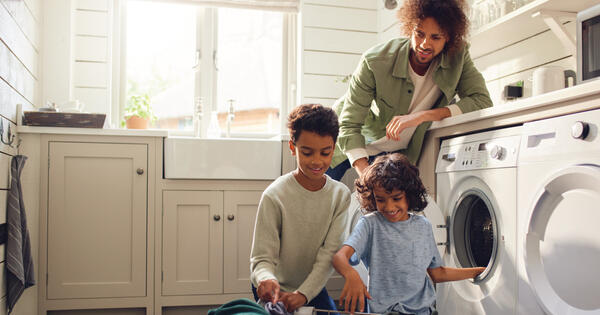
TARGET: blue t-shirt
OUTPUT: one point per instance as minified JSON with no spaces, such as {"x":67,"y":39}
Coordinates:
{"x":397,"y":255}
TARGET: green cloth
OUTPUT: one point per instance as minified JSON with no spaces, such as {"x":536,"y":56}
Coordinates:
{"x":381,"y":88}
{"x":239,"y":307}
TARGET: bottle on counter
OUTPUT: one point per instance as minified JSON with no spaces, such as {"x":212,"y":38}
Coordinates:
{"x":214,"y":130}
{"x":197,"y":119}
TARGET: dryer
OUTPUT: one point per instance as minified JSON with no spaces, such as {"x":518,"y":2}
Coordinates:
{"x":475,"y":224}
{"x":558,"y":237}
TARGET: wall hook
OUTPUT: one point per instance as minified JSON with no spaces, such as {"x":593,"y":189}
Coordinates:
{"x":11,"y":137}
{"x":390,"y":4}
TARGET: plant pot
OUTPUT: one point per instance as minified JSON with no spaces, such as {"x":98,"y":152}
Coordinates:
{"x":136,"y":122}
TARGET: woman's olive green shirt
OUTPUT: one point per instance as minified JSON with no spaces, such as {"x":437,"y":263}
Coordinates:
{"x":381,"y":88}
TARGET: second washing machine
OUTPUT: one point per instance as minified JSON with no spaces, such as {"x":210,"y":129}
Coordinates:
{"x":475,"y":224}
{"x":558,"y":238}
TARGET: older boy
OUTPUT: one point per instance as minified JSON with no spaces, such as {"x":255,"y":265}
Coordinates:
{"x":301,"y":218}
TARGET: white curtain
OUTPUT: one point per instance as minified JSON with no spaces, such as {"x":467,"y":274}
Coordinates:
{"x":273,"y":5}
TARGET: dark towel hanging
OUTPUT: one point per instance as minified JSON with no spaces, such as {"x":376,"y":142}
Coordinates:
{"x":19,"y":262}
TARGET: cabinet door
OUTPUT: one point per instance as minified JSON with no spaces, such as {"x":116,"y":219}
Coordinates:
{"x":240,"y":214}
{"x":192,"y":256}
{"x":97,"y":214}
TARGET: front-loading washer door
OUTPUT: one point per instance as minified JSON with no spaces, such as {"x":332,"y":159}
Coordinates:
{"x":562,"y":244}
{"x":474,"y":231}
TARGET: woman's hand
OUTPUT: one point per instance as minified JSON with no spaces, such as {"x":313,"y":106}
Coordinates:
{"x":293,"y":300}
{"x":360,"y":165}
{"x":354,"y":293}
{"x":268,"y":290}
{"x":395,"y":127}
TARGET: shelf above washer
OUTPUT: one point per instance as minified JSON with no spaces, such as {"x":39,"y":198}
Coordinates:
{"x":519,"y":25}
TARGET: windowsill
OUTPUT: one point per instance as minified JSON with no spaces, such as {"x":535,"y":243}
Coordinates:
{"x":263,"y":136}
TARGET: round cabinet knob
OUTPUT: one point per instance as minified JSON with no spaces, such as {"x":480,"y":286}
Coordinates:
{"x":497,"y":152}
{"x":216,"y":217}
{"x":140,"y":171}
{"x":580,"y":130}
{"x":230,"y":217}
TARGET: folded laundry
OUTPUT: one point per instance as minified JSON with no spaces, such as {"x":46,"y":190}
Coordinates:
{"x":239,"y":307}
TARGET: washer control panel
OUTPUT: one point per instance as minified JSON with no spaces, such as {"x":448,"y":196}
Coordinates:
{"x":478,"y":152}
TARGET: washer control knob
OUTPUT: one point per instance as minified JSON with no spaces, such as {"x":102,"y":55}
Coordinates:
{"x":580,"y":130}
{"x":497,"y":152}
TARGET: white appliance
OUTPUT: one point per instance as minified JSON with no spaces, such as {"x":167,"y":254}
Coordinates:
{"x":588,"y":44}
{"x":558,"y":237}
{"x":476,"y":222}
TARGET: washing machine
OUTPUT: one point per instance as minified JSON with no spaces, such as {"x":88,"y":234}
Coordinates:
{"x":475,"y":220}
{"x":558,"y":232}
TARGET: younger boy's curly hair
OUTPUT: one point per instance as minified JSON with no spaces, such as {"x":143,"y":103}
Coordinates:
{"x":449,"y":14}
{"x":391,"y":171}
{"x":315,"y":118}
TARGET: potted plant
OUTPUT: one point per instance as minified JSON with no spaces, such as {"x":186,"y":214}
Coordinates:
{"x":138,"y":112}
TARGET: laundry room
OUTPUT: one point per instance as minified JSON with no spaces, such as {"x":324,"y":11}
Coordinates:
{"x":146,"y":144}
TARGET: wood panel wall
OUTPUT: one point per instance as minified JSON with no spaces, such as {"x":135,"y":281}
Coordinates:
{"x":19,"y":84}
{"x":77,"y":60}
{"x":92,"y":57}
{"x":334,"y":35}
{"x":518,"y":61}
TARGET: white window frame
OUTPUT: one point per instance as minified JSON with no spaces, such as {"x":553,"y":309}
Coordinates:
{"x":205,"y":81}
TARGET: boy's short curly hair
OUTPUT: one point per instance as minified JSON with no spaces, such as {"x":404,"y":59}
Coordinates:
{"x":449,"y":14}
{"x":391,"y":171}
{"x":313,"y":117}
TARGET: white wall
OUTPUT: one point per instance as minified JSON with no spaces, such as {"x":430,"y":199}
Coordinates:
{"x":388,"y":26}
{"x":77,"y":59}
{"x":19,"y":84}
{"x":518,"y":61}
{"x":334,"y":35}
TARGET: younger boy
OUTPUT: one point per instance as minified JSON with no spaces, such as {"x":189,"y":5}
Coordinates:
{"x":396,"y":245}
{"x":301,"y":218}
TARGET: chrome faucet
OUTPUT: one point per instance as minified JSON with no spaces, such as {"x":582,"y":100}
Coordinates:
{"x":230,"y":116}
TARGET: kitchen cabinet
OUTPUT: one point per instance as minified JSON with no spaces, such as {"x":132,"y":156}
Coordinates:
{"x":96,"y":220}
{"x":206,"y":240}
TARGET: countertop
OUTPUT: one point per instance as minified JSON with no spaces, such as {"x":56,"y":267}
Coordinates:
{"x":94,"y":131}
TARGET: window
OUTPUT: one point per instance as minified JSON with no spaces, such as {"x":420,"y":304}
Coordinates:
{"x":182,"y":54}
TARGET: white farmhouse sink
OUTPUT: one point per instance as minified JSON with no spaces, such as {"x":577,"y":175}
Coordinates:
{"x":225,"y":158}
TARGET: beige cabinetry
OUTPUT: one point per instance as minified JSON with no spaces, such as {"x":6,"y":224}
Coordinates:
{"x":206,"y":239}
{"x":97,"y":215}
{"x":96,"y":222}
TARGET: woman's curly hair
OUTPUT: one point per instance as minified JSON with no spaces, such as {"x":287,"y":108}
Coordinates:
{"x":391,"y":171}
{"x":449,"y":14}
{"x":315,"y":118}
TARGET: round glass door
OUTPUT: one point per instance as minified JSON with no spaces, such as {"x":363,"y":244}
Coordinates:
{"x":474,"y":232}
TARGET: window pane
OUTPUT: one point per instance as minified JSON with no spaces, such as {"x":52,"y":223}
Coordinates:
{"x":249,"y":68}
{"x":161,"y":46}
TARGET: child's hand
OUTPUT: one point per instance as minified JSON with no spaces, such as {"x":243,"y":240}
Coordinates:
{"x":354,"y":293}
{"x":478,"y":271}
{"x":268,"y":290}
{"x":293,"y":300}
